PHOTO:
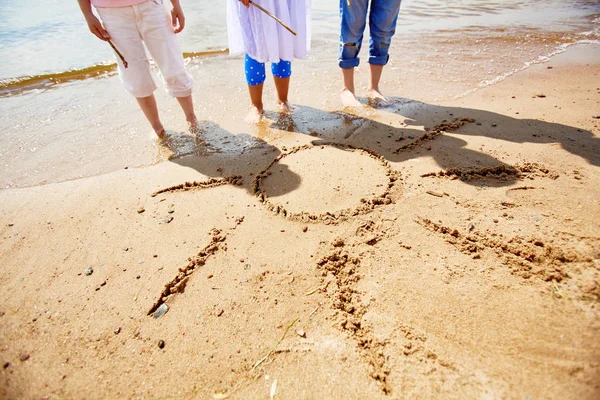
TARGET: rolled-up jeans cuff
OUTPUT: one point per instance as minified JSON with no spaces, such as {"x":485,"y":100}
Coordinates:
{"x":379,"y":60}
{"x":349,"y":63}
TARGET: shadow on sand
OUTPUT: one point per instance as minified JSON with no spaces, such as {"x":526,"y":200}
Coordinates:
{"x":407,"y":130}
{"x":218,"y":153}
{"x":398,"y":132}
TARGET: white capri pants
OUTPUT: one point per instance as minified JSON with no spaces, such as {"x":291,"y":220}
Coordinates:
{"x":148,"y":22}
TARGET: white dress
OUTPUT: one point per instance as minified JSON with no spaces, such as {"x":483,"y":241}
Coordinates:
{"x":254,"y":33}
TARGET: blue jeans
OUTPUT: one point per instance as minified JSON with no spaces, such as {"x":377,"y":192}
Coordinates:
{"x":382,"y":24}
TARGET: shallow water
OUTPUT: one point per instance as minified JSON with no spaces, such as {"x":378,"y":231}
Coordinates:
{"x":74,"y":119}
{"x":47,"y":37}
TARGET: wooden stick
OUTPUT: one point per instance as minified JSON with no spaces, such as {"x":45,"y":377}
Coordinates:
{"x":118,"y":53}
{"x":274,"y":17}
{"x":349,"y":4}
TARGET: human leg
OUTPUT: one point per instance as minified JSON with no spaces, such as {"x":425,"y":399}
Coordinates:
{"x":137,"y":79}
{"x":353,"y":22}
{"x":348,"y":95}
{"x":150,"y":110}
{"x":187,"y":105}
{"x":382,"y":25}
{"x":374,"y":93}
{"x":282,"y":71}
{"x":162,"y":43}
{"x":255,"y":78}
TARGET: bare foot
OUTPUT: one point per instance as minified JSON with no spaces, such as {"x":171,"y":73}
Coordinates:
{"x":162,"y":135}
{"x":377,"y":99}
{"x":194,"y":127}
{"x":285,"y":107}
{"x":349,"y":99}
{"x":254,"y":115}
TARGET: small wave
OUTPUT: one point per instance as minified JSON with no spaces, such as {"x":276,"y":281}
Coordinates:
{"x":207,"y":53}
{"x":10,"y":87}
{"x":24,"y":84}
{"x":541,"y":59}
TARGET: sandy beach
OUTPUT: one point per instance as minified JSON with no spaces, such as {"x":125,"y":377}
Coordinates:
{"x":427,"y":249}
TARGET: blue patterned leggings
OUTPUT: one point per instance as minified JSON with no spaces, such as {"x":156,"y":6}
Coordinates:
{"x":256,"y":74}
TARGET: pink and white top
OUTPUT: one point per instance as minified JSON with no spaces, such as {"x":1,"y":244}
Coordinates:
{"x":116,"y":3}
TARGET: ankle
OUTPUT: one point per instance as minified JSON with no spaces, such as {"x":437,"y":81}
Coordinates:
{"x":161,"y":134}
{"x":158,"y":127}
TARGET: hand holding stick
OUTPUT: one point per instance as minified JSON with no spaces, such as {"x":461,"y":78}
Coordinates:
{"x":118,"y":53}
{"x":274,"y":17}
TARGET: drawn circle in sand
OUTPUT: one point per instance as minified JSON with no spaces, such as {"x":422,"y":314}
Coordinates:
{"x":325,"y":183}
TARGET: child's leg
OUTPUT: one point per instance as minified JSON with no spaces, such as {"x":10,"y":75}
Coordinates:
{"x":256,"y":92}
{"x":162,"y":43}
{"x":150,"y":109}
{"x":348,"y":92}
{"x":382,"y":25}
{"x":375,"y":71}
{"x":353,"y":23}
{"x":282,"y":71}
{"x":137,"y":79}
{"x":187,"y":105}
{"x":255,"y":78}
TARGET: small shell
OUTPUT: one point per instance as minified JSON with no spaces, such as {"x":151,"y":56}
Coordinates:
{"x":161,"y":310}
{"x":273,"y":391}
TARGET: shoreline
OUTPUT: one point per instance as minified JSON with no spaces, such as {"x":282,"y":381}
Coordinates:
{"x":459,"y":258}
{"x":125,"y":140}
{"x":23,"y":85}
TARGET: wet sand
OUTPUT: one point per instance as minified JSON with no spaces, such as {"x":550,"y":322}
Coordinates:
{"x":420,"y":250}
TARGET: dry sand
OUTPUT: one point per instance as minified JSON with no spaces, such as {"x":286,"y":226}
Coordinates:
{"x":459,"y":257}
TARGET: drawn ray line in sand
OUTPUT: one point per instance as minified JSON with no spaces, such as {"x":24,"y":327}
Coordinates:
{"x":345,"y":300}
{"x":330,"y":218}
{"x":444,"y":127}
{"x":545,"y":259}
{"x":522,"y":171}
{"x":211,"y":183}
{"x":340,"y":272}
{"x":178,"y":284}
{"x":344,"y":269}
{"x":414,"y":350}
